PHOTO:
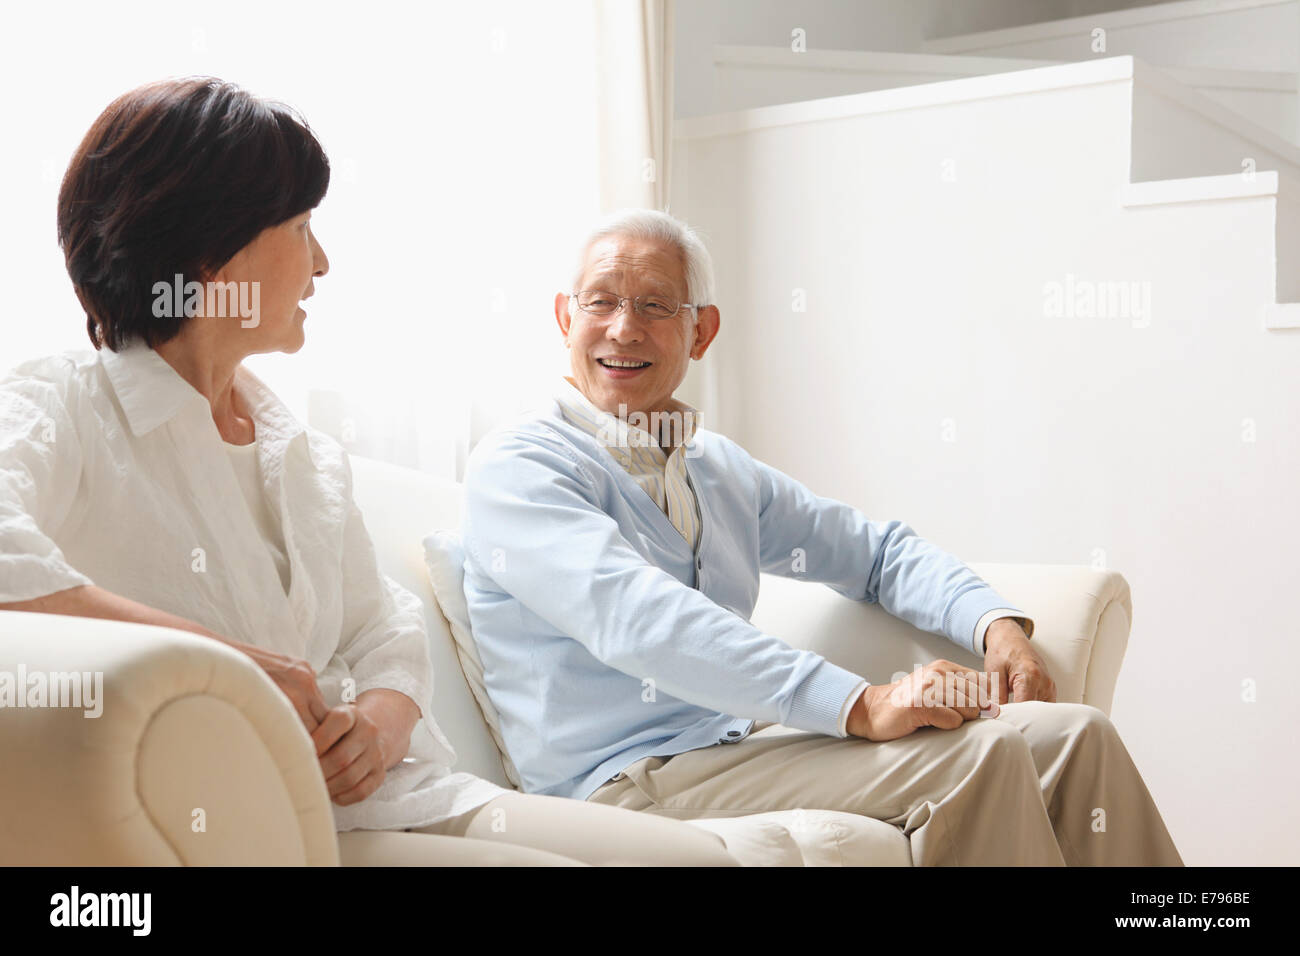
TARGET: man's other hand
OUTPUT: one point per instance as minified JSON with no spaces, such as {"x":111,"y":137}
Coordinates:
{"x":1022,"y":671}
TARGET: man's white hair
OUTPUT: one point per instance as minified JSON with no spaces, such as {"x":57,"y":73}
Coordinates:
{"x":652,"y":224}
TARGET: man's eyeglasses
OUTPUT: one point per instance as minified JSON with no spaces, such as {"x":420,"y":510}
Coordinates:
{"x":648,"y":306}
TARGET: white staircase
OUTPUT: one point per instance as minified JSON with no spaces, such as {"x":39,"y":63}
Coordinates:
{"x":748,"y":76}
{"x":1243,"y":54}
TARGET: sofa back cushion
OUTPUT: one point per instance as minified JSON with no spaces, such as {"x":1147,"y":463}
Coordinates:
{"x":445,"y":559}
{"x":400,"y":507}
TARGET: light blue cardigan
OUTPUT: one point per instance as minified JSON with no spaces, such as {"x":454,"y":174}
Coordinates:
{"x":605,"y":640}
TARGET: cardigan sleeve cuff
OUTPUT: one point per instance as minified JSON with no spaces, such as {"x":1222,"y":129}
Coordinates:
{"x":848,"y":706}
{"x":981,"y":629}
{"x":968,"y":611}
{"x":818,"y":701}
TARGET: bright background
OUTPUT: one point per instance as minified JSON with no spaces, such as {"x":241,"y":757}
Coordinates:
{"x":462,"y":144}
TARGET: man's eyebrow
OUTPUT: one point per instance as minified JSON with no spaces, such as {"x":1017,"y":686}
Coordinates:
{"x":657,"y":286}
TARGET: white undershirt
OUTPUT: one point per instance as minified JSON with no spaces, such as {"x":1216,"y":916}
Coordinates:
{"x":244,"y":460}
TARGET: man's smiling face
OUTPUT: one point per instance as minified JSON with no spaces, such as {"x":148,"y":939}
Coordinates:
{"x":625,"y":358}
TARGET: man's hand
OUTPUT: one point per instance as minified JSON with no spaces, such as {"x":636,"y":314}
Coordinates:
{"x":1022,"y":671}
{"x":940,"y":694}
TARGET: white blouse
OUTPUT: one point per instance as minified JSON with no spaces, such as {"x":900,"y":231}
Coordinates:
{"x":113,"y":473}
{"x":243,"y":458}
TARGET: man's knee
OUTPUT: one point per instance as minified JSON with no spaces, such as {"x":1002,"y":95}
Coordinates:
{"x":1081,"y":717}
{"x":998,"y":740}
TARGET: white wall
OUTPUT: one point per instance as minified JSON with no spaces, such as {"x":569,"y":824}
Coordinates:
{"x":927,"y":382}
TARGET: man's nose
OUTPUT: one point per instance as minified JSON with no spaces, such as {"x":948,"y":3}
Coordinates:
{"x":624,"y":325}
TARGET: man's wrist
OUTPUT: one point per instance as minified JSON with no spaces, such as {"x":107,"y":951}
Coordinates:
{"x":1002,"y":626}
{"x":859,"y":723}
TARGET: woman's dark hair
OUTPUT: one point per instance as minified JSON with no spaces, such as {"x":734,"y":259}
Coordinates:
{"x":176,"y":177}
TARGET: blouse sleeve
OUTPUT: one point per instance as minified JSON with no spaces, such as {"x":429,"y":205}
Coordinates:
{"x":40,"y":472}
{"x":385,"y":642}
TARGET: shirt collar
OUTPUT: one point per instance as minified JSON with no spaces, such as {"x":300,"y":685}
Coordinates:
{"x":151,"y":393}
{"x":149,"y":390}
{"x":620,"y":435}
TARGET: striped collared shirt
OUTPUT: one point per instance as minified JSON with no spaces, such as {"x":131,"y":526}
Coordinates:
{"x":662,"y":474}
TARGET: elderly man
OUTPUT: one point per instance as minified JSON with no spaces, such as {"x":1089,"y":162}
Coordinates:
{"x":613,"y":551}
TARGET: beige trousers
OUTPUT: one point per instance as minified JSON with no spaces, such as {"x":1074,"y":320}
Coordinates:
{"x":527,"y":829}
{"x":1043,"y":784}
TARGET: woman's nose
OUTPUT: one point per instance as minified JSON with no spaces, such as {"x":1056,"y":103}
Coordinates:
{"x":319,"y":260}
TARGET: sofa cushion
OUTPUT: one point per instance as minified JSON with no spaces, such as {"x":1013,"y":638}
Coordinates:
{"x":445,"y":559}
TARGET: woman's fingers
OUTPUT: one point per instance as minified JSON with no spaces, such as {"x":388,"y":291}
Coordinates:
{"x":316,"y":704}
{"x":358,"y":763}
{"x":354,"y":758}
{"x":333,"y":727}
{"x":296,"y":680}
{"x":347,"y":750}
{"x":368,"y":785}
{"x":309,"y":720}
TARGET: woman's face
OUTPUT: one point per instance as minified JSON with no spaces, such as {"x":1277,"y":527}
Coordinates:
{"x":282,"y":262}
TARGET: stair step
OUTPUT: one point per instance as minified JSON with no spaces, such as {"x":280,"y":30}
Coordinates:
{"x":1241,"y":34}
{"x":750,"y":76}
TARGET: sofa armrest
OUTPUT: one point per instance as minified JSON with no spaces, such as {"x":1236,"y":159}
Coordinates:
{"x":195,"y":757}
{"x":1081,"y":618}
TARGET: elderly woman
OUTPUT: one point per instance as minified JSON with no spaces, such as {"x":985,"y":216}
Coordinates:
{"x":157,"y":480}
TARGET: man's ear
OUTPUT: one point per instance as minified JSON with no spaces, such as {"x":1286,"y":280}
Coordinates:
{"x":706,"y":330}
{"x":562,"y":317}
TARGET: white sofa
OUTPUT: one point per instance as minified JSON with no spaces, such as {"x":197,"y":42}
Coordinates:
{"x":197,"y":758}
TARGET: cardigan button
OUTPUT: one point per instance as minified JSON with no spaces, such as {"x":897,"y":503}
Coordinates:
{"x":699,"y":564}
